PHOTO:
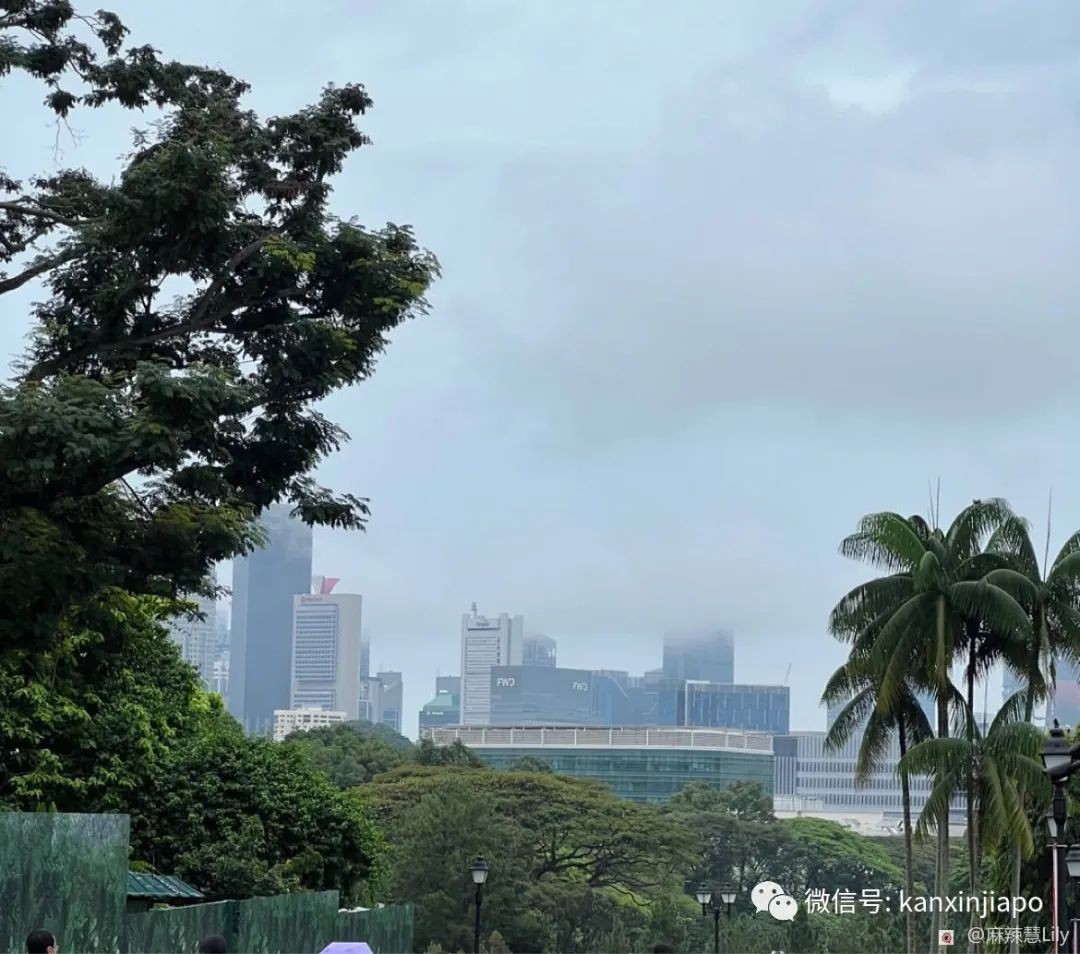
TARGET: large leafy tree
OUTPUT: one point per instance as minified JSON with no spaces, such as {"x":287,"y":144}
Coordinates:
{"x":579,"y":865}
{"x":239,"y":816}
{"x":87,"y":723}
{"x":197,"y":305}
{"x":351,"y":753}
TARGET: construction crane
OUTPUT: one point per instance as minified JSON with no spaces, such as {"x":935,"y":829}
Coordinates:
{"x":787,"y":675}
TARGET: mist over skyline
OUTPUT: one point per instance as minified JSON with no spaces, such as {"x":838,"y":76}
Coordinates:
{"x":718,"y":280}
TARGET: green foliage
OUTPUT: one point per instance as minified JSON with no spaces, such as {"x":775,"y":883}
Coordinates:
{"x":529,"y":763}
{"x":351,"y":753}
{"x":241,"y":817}
{"x":146,"y":431}
{"x":572,"y":866}
{"x":85,"y":724}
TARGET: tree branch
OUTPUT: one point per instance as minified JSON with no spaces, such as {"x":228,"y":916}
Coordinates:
{"x":17,"y":281}
{"x":20,"y":209}
{"x":199,"y":320}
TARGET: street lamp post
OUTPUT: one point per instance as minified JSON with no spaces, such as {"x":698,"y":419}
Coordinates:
{"x":1072,"y":864}
{"x":1059,"y":760}
{"x":708,"y":904}
{"x":479,"y":871}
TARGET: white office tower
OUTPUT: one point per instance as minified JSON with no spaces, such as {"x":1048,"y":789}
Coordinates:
{"x":326,"y":653}
{"x":287,"y":721}
{"x":198,"y":639}
{"x":485,"y":643}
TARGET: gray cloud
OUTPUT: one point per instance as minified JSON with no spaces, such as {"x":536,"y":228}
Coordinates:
{"x":719,"y":278}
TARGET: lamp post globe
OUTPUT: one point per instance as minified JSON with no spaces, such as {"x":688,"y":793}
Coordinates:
{"x":478,"y":871}
{"x":1056,"y":752}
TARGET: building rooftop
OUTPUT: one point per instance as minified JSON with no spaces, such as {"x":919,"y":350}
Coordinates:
{"x":154,"y":887}
{"x":595,"y":737}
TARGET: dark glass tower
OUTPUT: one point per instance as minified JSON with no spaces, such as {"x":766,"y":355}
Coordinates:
{"x":703,"y":656}
{"x":264,"y":583}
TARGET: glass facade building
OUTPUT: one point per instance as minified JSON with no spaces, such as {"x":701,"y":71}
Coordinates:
{"x":543,"y":695}
{"x":710,"y":704}
{"x":261,"y":652}
{"x":706,"y":656}
{"x":642,"y":765}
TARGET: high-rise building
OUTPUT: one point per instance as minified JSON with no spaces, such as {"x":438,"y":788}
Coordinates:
{"x":264,"y":584}
{"x":381,"y":699}
{"x":445,"y":708}
{"x":485,"y":643}
{"x":326,"y":652}
{"x":1064,"y":702}
{"x":704,"y":656}
{"x":287,"y":721}
{"x":197,"y":639}
{"x":391,"y":699}
{"x":546,"y":695}
{"x":722,"y":706}
{"x":538,"y":650}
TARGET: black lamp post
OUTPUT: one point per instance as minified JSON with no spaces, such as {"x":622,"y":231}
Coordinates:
{"x":479,"y":871}
{"x":1072,"y":865}
{"x":705,"y":899}
{"x":1059,"y":760}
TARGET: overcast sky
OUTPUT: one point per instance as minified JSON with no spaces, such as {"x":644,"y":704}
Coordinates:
{"x":719,"y":279}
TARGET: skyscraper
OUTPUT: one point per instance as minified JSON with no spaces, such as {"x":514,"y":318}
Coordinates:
{"x":445,"y":708}
{"x":198,"y":639}
{"x":485,"y":643}
{"x":703,"y":656}
{"x":538,"y":650}
{"x":264,"y":584}
{"x":326,"y":653}
{"x":391,"y":698}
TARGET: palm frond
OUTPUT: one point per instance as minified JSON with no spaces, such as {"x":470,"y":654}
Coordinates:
{"x":973,"y":525}
{"x":995,"y":609}
{"x":866,"y":602}
{"x":1013,"y":539}
{"x":885,"y":540}
{"x":1071,"y":546}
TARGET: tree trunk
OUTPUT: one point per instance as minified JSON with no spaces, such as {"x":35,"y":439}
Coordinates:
{"x":972,"y":832}
{"x":1017,"y":858}
{"x":941,"y":663}
{"x":909,"y":855}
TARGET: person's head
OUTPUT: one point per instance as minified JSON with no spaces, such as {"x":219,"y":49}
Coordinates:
{"x":41,"y":942}
{"x":663,"y":949}
{"x":214,"y":944}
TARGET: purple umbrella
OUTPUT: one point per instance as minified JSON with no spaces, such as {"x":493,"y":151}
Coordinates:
{"x":346,"y":947}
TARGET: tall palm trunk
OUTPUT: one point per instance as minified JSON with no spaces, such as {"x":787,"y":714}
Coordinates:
{"x":941,"y":662}
{"x":972,"y":832}
{"x":1029,"y":714}
{"x":909,"y":854}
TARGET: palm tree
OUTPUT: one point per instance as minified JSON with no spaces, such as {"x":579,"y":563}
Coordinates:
{"x":856,"y":683}
{"x":1005,"y":763}
{"x":934,"y":602}
{"x":1052,"y":600}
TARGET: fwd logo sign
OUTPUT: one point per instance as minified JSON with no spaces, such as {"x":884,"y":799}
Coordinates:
{"x":580,"y":686}
{"x":507,"y":681}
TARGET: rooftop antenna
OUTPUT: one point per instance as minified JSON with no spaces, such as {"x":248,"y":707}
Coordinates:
{"x":474,"y":609}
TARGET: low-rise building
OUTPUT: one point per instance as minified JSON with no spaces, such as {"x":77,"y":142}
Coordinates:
{"x":287,"y":721}
{"x":642,"y":764}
